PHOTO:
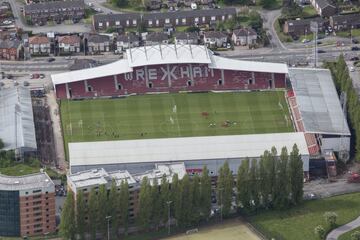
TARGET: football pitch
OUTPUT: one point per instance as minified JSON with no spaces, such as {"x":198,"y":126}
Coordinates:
{"x":175,"y":115}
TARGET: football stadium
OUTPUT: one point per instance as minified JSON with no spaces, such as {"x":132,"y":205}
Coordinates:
{"x":181,"y":103}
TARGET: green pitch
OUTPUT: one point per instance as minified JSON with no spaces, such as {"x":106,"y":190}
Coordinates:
{"x":175,"y":115}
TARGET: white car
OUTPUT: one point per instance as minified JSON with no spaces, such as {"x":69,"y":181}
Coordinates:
{"x":352,"y":69}
{"x":193,"y":6}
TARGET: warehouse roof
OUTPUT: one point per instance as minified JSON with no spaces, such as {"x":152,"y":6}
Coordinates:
{"x":318,"y":101}
{"x":31,"y":181}
{"x":17,"y":128}
{"x":181,"y":149}
{"x":167,"y":54}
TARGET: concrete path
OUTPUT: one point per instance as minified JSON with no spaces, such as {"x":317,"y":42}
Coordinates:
{"x":334,"y":234}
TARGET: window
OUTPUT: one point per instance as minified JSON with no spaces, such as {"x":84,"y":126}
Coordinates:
{"x":46,"y":192}
{"x":223,"y":18}
{"x":213,"y":18}
{"x":176,"y":21}
{"x":134,"y":22}
{"x":250,"y":81}
{"x":100,"y":24}
{"x":119,"y":86}
{"x":157,"y":22}
{"x":183,"y":20}
{"x":89,"y":88}
{"x":150,"y":22}
{"x":189,"y":83}
{"x":37,"y":191}
{"x":167,"y":20}
{"x":203,"y":19}
{"x":220,"y":82}
{"x":196,"y":19}
{"x":150,"y":85}
{"x":127,"y":22}
{"x":117,"y":23}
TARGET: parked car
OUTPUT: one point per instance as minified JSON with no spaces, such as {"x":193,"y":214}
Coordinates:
{"x":41,"y":75}
{"x":320,"y":51}
{"x":354,"y":59}
{"x":51,"y":59}
{"x":355,"y":49}
{"x":355,"y":41}
{"x":352,"y":69}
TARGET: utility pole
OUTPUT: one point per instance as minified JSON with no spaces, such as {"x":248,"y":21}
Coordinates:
{"x":108,"y":226}
{"x":169,"y":223}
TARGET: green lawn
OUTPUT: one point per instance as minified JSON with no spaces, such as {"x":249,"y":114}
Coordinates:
{"x":347,"y":236}
{"x":309,"y":11}
{"x":354,"y":33}
{"x":298,"y":223}
{"x":19,"y":169}
{"x":175,"y":115}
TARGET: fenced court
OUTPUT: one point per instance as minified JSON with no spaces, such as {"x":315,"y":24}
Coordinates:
{"x":175,"y":115}
{"x":233,"y":229}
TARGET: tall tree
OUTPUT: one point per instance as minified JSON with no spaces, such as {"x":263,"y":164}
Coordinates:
{"x":254,"y":189}
{"x":296,"y":177}
{"x":114,"y":210}
{"x":80,"y":215}
{"x":281,"y":196}
{"x":93,"y":214}
{"x":243,"y":185}
{"x":205,"y":192}
{"x":145,"y":204}
{"x":103,"y":210}
{"x":124,"y":205}
{"x":271,"y":175}
{"x":176,"y":197}
{"x":196,"y":199}
{"x":165,"y":197}
{"x":186,"y":196}
{"x":263,"y":185}
{"x":68,"y":224}
{"x":156,"y":203}
{"x":225,"y":188}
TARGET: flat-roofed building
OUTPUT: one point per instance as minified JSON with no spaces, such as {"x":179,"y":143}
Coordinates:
{"x":27,"y":205}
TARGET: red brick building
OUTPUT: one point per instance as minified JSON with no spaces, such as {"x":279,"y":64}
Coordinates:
{"x":10,"y":49}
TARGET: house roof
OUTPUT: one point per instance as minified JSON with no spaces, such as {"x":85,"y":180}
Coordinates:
{"x":116,"y":17}
{"x":306,"y":22}
{"x":243,"y":32}
{"x":324,"y":3}
{"x":215,"y":34}
{"x":7,"y":43}
{"x":38,"y":40}
{"x":97,"y":38}
{"x":71,"y":39}
{"x":35,"y":7}
{"x":348,"y":18}
{"x":157,"y":37}
{"x":127,"y":37}
{"x":186,"y":35}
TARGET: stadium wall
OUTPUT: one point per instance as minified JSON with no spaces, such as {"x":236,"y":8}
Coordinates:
{"x":170,"y":78}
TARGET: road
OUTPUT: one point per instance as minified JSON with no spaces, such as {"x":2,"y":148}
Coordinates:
{"x":269,"y":18}
{"x":334,"y":234}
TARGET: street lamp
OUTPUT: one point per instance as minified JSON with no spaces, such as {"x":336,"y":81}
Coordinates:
{"x":169,"y":223}
{"x":108,"y":226}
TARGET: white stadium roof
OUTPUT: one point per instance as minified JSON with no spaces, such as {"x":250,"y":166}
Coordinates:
{"x":182,"y":149}
{"x":318,"y":101}
{"x":166,"y":54}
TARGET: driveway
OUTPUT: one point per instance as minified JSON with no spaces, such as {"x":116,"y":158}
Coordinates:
{"x":269,"y":18}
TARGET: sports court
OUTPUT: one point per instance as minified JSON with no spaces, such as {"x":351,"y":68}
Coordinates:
{"x":229,"y":230}
{"x":175,"y":115}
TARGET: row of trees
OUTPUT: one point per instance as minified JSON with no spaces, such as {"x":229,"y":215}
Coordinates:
{"x":271,"y":182}
{"x":343,"y":83}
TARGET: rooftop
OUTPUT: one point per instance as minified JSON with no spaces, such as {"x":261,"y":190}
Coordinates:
{"x":181,"y":149}
{"x":36,"y":180}
{"x":54,"y":5}
{"x":318,"y":101}
{"x":16,"y":119}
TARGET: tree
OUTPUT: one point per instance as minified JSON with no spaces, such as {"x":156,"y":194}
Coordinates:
{"x":93,"y":214}
{"x":205,"y":193}
{"x":296,"y":176}
{"x":253,"y":181}
{"x":176,"y":197}
{"x":102,"y":210}
{"x":196,"y":200}
{"x":355,"y":235}
{"x":124,"y":205}
{"x":156,"y":204}
{"x":243,"y":185}
{"x":281,"y":196}
{"x":268,"y":4}
{"x":186,"y":202}
{"x":114,"y":210}
{"x":330,"y":218}
{"x":80,"y":215}
{"x":145,"y":204}
{"x":263,"y":185}
{"x":225,"y":189}
{"x":320,"y":231}
{"x":1,"y":144}
{"x":165,"y":197}
{"x":68,"y":224}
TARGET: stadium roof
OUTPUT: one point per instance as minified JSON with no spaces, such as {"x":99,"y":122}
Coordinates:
{"x":318,"y":101}
{"x":181,"y":149}
{"x":36,"y":180}
{"x":17,"y":128}
{"x":166,"y":54}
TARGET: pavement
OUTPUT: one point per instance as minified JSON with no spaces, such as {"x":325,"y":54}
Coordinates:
{"x":334,"y":234}
{"x":321,"y":188}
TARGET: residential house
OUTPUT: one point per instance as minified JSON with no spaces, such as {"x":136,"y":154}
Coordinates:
{"x":161,"y":19}
{"x":302,"y":27}
{"x":344,"y":22}
{"x":215,"y":39}
{"x":154,"y":38}
{"x":97,"y":43}
{"x":58,"y":11}
{"x":39,"y":45}
{"x":325,"y":8}
{"x":118,"y":21}
{"x":10,"y":49}
{"x":186,"y":38}
{"x":69,"y":44}
{"x":244,"y":36}
{"x":126,"y":41}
